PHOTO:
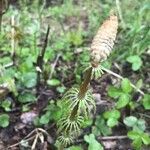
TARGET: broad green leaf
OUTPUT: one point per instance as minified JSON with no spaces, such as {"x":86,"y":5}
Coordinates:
{"x":12,"y":86}
{"x":45,"y":118}
{"x":123,"y":101}
{"x":26,"y":97}
{"x":96,"y":131}
{"x":111,"y":122}
{"x":130,"y":121}
{"x":133,"y":135}
{"x":114,"y":92}
{"x":146,"y":139}
{"x":137,"y":143}
{"x":93,"y":143}
{"x":61,"y":89}
{"x":112,"y":114}
{"x":136,"y":62}
{"x":36,"y":121}
{"x":87,"y":122}
{"x":4,"y":120}
{"x":146,"y":101}
{"x":141,"y":124}
{"x":6,"y":105}
{"x":55,"y":111}
{"x":126,"y":85}
{"x":25,"y":108}
{"x":101,"y":127}
{"x":53,"y":82}
{"x":29,"y":79}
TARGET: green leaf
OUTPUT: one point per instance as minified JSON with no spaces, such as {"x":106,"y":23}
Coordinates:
{"x":146,"y":101}
{"x":136,"y":62}
{"x":130,"y":121}
{"x":6,"y":105}
{"x":74,"y":148}
{"x":146,"y":139}
{"x":87,"y":122}
{"x":26,"y":97}
{"x":75,"y":37}
{"x":101,"y":127}
{"x":45,"y":118}
{"x":141,"y":124}
{"x":93,"y":143}
{"x":126,"y":85}
{"x":29,"y":79}
{"x":55,"y":110}
{"x":36,"y":121}
{"x":53,"y":82}
{"x":25,"y":108}
{"x":123,"y":101}
{"x":114,"y":92}
{"x":137,"y":143}
{"x":112,"y":114}
{"x":12,"y":86}
{"x":133,"y":135}
{"x":111,"y":122}
{"x":4,"y":120}
{"x":61,"y":89}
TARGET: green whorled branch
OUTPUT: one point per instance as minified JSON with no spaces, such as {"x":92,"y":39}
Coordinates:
{"x":80,"y":101}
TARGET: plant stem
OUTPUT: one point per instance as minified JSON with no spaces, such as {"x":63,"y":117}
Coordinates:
{"x":84,"y":85}
{"x":82,"y":91}
{"x":40,"y":60}
{"x":74,"y":112}
{"x":13,"y":40}
{"x":120,"y":77}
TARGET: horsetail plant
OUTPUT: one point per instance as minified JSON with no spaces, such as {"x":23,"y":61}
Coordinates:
{"x":79,"y":99}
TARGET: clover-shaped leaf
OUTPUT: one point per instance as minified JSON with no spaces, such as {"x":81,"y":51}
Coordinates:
{"x":126,"y":85}
{"x":93,"y":143}
{"x":136,"y":62}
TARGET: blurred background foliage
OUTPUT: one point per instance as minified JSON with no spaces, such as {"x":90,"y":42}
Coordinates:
{"x":73,"y":23}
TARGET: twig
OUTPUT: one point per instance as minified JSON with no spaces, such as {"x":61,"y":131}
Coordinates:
{"x":43,"y":131}
{"x":28,"y":138}
{"x":16,"y":144}
{"x":35,"y":142}
{"x":120,"y":77}
{"x":30,"y":134}
{"x":104,"y":103}
{"x":117,"y":137}
{"x":113,"y":137}
{"x":8,"y":65}
{"x":40,"y":60}
{"x":54,"y":65}
{"x":144,"y":115}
